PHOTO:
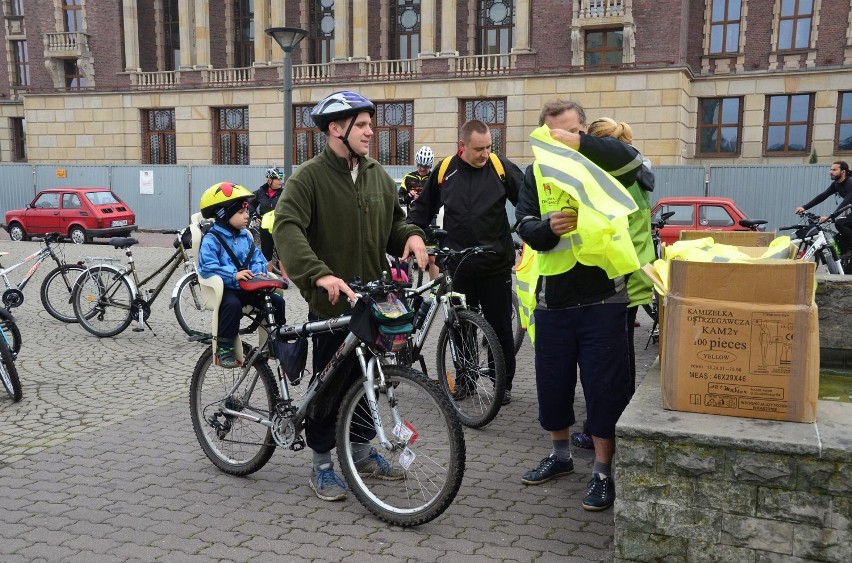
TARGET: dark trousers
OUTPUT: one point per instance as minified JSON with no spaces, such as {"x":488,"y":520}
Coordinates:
{"x":844,"y":227}
{"x":321,"y":420}
{"x":267,"y":245}
{"x":231,"y":309}
{"x":493,"y":295}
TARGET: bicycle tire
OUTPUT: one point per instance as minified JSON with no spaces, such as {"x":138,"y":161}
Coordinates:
{"x":830,"y":261}
{"x":476,"y":381}
{"x":518,"y":331}
{"x":192,"y":316}
{"x":56,"y":291}
{"x":240,"y":447}
{"x":416,"y":276}
{"x":430,"y":483}
{"x":9,"y":373}
{"x":103,"y":301}
{"x":12,"y":332}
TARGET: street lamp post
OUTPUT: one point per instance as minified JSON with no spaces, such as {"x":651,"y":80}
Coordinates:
{"x":287,"y":38}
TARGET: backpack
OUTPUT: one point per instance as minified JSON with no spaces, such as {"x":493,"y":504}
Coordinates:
{"x":495,"y":162}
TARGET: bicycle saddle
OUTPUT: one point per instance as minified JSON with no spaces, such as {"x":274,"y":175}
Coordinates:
{"x":748,"y":223}
{"x":122,"y":242}
{"x":260,"y":283}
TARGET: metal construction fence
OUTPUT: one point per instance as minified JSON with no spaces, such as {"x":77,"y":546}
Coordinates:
{"x":762,"y":191}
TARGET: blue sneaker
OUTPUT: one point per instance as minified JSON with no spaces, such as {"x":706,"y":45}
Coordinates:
{"x":582,"y":440}
{"x":326,"y":484}
{"x":549,"y":468}
{"x":374,"y":465}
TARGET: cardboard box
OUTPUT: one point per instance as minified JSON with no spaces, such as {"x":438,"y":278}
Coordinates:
{"x":741,"y":340}
{"x":736,"y":238}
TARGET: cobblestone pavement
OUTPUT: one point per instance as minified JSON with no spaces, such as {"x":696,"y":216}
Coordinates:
{"x":99,"y":462}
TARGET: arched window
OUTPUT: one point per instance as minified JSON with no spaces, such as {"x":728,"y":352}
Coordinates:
{"x":494,"y":26}
{"x":405,"y":29}
{"x":322,"y":31}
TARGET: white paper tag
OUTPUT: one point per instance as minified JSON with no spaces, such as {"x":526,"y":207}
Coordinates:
{"x":406,"y":458}
{"x":402,"y":432}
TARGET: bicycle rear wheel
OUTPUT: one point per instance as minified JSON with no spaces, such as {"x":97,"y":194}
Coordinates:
{"x":102,"y":301}
{"x":431,"y":463}
{"x":12,"y":332}
{"x":191,"y":315}
{"x":234,"y":445}
{"x":56,"y":290}
{"x":471,"y":368}
{"x":9,"y":373}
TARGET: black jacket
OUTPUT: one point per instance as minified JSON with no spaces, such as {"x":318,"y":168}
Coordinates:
{"x":843,"y":189}
{"x":474,"y":201}
{"x":262,"y":202}
{"x":581,"y":285}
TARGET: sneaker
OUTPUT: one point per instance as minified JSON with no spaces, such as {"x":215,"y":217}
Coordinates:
{"x":226,"y":358}
{"x":549,"y":468}
{"x":327,"y":485}
{"x":600,"y":492}
{"x":582,"y":440}
{"x":507,"y":398}
{"x":374,"y":465}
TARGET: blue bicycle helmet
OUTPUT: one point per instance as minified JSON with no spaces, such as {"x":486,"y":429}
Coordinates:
{"x":340,"y":105}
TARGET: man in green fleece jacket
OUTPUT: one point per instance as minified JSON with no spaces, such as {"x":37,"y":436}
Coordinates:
{"x":338,"y":216}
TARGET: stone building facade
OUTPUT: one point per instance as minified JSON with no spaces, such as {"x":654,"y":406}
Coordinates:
{"x":197,"y":81}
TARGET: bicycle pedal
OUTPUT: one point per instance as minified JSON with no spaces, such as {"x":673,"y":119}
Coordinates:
{"x":137,"y":329}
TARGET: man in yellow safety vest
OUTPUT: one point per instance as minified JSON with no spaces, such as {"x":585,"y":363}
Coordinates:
{"x":573,"y":212}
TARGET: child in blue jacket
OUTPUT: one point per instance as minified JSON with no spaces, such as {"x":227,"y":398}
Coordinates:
{"x":228,"y":251}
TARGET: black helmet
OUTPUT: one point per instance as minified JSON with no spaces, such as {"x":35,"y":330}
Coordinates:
{"x":340,"y":105}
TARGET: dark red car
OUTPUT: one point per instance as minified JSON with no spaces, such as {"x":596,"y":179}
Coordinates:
{"x":79,"y":214}
{"x":698,"y":213}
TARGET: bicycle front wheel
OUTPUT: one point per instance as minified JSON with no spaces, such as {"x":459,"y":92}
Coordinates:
{"x":56,"y":290}
{"x":191,"y":315}
{"x":417,"y":477}
{"x":11,"y":331}
{"x":471,"y":368}
{"x":235,"y":445}
{"x":830,"y":260}
{"x":9,"y":373}
{"x":102,"y":301}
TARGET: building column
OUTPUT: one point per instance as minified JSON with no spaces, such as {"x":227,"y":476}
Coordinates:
{"x":202,"y":34}
{"x":427,"y":28}
{"x":359,"y":30}
{"x":185,"y":28}
{"x":522,"y":27}
{"x":261,"y":39}
{"x":341,"y":31}
{"x":131,"y":36}
{"x":448,"y":26}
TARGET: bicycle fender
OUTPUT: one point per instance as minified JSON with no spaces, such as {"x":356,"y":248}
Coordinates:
{"x":173,"y":300}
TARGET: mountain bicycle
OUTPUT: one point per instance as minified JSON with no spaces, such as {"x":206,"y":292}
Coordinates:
{"x":815,"y":240}
{"x":107,"y":298}
{"x":471,"y":366}
{"x":57,"y":285}
{"x":241,"y":415}
{"x":8,"y":371}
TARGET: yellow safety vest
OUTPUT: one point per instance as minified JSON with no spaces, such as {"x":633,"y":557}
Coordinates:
{"x":565,"y":180}
{"x":267,"y":220}
{"x":526,"y":281}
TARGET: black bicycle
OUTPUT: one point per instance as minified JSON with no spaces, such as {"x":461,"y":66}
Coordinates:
{"x":241,"y":415}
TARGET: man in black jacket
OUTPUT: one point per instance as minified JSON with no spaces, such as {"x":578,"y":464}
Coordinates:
{"x":266,"y":197}
{"x":474,"y":198}
{"x":841,"y":185}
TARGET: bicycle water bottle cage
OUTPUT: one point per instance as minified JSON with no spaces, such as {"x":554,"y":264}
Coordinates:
{"x":262,"y":283}
{"x":122,"y":242}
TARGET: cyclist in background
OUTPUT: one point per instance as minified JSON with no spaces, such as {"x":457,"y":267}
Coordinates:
{"x":413,"y":182}
{"x":841,"y":185}
{"x":266,"y":196}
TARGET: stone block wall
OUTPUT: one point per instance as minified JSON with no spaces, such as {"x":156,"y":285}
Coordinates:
{"x":694,"y":487}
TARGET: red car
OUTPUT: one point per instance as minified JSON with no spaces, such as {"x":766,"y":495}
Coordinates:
{"x":698,"y":213}
{"x":79,"y":214}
